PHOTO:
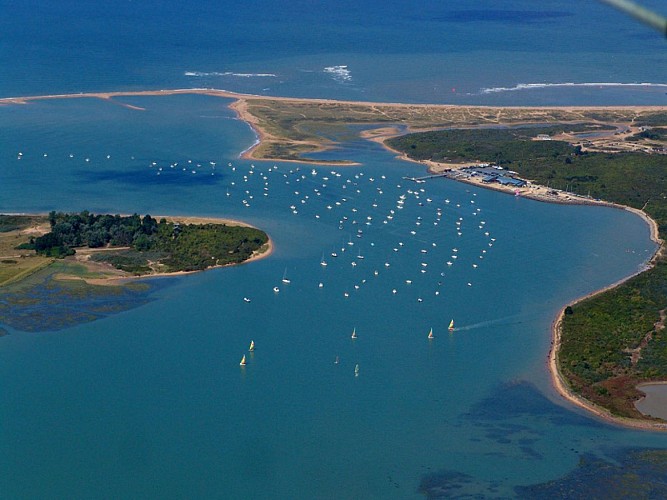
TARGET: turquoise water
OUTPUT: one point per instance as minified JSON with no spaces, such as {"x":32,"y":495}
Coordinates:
{"x":152,"y":402}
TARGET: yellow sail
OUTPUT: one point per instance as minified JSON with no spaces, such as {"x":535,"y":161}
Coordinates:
{"x":451,"y":325}
{"x":252,"y":345}
{"x":242,"y":363}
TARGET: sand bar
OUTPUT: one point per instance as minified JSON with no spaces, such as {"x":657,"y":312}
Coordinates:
{"x":287,"y":127}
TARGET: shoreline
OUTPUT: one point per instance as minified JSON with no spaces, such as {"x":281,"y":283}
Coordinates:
{"x":114,"y":280}
{"x":557,"y":380}
{"x":189,"y":219}
{"x":239,"y":106}
{"x":119,"y":276}
{"x":241,"y":96}
{"x":562,"y":389}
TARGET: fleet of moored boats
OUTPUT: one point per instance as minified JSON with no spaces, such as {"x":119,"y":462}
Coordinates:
{"x":307,"y":189}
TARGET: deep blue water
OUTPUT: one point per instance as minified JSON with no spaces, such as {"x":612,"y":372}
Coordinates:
{"x":432,"y":52}
{"x":151,"y":402}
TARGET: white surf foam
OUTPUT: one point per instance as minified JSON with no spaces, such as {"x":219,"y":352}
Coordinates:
{"x":339,"y":73}
{"x":533,"y":86}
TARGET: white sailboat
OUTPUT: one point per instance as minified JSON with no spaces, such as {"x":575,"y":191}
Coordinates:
{"x":252,"y":346}
{"x":354,"y":333}
{"x":285,"y":278}
{"x":430,"y":334}
{"x":242,"y":363}
{"x":356,"y":370}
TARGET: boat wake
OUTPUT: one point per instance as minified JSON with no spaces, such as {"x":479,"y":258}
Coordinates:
{"x":507,"y":320}
{"x":534,"y":86}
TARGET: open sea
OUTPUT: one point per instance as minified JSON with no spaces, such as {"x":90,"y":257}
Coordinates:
{"x":140,"y":394}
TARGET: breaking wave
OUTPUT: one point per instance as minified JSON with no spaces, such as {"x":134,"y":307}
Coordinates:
{"x":532,"y":86}
{"x":229,"y":73}
{"x":339,"y":73}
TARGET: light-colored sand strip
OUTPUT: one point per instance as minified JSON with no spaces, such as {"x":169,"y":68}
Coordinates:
{"x":238,"y":95}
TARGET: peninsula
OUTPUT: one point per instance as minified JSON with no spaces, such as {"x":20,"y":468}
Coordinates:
{"x":289,"y":129}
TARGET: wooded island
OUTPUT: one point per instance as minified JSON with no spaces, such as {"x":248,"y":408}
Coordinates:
{"x":134,"y":244}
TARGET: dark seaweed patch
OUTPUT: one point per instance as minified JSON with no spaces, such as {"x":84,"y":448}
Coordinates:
{"x":50,"y":304}
{"x":635,"y":473}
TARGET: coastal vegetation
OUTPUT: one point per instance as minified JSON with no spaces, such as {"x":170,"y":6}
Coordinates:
{"x":134,"y":244}
{"x":614,"y":340}
{"x":17,"y":259}
{"x":293,"y":128}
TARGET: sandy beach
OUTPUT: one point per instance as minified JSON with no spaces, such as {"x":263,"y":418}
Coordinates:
{"x":556,"y":376}
{"x":116,"y":276}
{"x":241,"y":96}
